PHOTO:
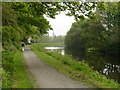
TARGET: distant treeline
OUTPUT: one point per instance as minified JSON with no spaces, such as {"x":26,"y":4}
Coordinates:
{"x":49,"y":39}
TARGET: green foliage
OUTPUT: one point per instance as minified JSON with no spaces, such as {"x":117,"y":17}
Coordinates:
{"x":7,"y":16}
{"x":8,"y":68}
{"x":14,"y":71}
{"x":42,"y":39}
{"x":82,"y":36}
{"x":49,"y":39}
{"x":101,"y":35}
{"x":113,"y":24}
{"x":7,"y":37}
{"x":31,"y":14}
{"x":24,"y":24}
{"x":58,"y":39}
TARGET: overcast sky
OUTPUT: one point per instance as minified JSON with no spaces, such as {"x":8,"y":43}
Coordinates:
{"x":61,"y":24}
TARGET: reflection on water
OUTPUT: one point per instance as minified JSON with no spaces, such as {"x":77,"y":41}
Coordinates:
{"x":106,"y":65}
{"x":62,"y":52}
{"x":53,"y":48}
{"x":58,"y":49}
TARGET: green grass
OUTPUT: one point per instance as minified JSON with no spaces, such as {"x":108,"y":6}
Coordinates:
{"x":21,"y":77}
{"x":74,"y":69}
{"x":7,"y":68}
{"x":14,"y":71}
{"x":52,"y":44}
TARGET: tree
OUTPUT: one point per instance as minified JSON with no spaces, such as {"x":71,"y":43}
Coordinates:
{"x":112,"y":21}
{"x":11,"y":33}
{"x":85,"y":37}
{"x":101,"y":36}
{"x":31,"y":14}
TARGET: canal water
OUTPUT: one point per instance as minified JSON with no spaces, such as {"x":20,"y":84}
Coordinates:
{"x":59,"y":49}
{"x":106,"y":65}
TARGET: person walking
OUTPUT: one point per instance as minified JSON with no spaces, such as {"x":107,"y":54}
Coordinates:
{"x":23,"y":45}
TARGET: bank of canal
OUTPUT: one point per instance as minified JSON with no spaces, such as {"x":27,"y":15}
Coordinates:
{"x":106,"y":65}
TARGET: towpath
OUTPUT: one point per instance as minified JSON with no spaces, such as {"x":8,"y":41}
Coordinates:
{"x":46,"y":76}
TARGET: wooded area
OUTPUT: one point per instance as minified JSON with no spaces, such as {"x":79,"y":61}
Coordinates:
{"x":97,"y":29}
{"x":99,"y":35}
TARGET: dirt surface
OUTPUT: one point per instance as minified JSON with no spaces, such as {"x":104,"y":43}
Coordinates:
{"x":46,"y":76}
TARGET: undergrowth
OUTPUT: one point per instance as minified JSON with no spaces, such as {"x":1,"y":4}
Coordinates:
{"x":14,"y":74}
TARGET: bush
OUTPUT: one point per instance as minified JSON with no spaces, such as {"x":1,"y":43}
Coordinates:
{"x":8,"y":68}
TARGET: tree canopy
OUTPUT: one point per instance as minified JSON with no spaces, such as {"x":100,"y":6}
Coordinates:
{"x":91,"y":36}
{"x":27,"y":18}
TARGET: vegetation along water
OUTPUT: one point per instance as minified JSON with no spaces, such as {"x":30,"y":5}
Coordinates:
{"x":106,"y":65}
{"x":92,"y":41}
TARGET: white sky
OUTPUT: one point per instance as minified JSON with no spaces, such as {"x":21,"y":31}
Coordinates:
{"x":61,"y":24}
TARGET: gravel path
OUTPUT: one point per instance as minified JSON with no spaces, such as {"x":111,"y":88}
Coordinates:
{"x":46,"y":76}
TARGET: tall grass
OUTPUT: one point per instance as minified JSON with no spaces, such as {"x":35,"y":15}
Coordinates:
{"x":14,"y":71}
{"x":7,"y":71}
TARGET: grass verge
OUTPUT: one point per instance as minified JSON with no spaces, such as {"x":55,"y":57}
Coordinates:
{"x":21,"y":77}
{"x":74,"y":69}
{"x":14,"y":72}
